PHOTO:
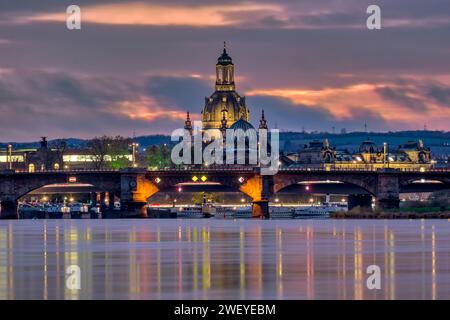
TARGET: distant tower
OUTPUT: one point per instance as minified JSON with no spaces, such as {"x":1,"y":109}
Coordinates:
{"x":262,"y":121}
{"x":44,"y":143}
{"x":365,"y":127}
{"x":188,"y":123}
{"x":223,"y":122}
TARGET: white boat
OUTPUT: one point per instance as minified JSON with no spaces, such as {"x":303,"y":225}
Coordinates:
{"x":281,"y":212}
{"x":243,"y":212}
{"x":313,"y":212}
{"x":224,"y":212}
{"x":29,"y":211}
{"x":190,"y":212}
{"x":335,"y":207}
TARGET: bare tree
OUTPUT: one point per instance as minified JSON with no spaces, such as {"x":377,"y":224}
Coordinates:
{"x":110,"y":152}
{"x":98,"y":147}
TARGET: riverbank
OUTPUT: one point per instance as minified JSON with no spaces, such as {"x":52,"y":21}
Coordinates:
{"x":391,"y":215}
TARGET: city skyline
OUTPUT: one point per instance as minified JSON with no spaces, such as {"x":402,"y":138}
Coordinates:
{"x":313,"y":66}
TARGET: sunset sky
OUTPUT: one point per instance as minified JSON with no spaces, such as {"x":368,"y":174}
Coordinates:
{"x":140,"y":65}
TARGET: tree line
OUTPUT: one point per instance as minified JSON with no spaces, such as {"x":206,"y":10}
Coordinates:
{"x":117,"y":152}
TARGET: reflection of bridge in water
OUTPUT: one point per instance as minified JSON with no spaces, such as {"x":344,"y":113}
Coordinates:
{"x":134,"y":186}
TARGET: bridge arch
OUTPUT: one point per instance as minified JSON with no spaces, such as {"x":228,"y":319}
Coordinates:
{"x":366,"y":182}
{"x":423,"y":183}
{"x":23,"y":184}
{"x":246,"y":183}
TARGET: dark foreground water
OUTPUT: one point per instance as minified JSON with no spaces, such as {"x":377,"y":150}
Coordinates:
{"x":215,"y":259}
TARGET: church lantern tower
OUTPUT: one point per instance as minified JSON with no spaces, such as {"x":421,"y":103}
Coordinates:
{"x":225,"y":72}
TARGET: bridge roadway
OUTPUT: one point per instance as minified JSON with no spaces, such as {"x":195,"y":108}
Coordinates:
{"x":134,"y":185}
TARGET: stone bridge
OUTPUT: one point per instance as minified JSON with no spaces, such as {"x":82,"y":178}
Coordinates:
{"x":134,"y":186}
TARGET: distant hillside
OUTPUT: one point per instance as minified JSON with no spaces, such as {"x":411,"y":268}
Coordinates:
{"x":438,"y":141}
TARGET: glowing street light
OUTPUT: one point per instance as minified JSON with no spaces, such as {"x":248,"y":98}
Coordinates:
{"x":10,"y":156}
{"x":134,"y":145}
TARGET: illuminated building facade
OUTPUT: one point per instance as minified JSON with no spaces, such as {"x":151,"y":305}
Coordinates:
{"x":48,"y":158}
{"x":411,"y":155}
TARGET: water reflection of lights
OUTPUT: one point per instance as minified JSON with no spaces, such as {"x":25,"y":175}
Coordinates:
{"x":222,"y":259}
{"x":358,"y":265}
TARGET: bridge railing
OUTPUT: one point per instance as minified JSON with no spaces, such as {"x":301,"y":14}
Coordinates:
{"x":236,"y":169}
{"x":67,"y":171}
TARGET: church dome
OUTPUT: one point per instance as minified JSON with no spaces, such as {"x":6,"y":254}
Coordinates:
{"x":368,"y":147}
{"x":228,"y":102}
{"x":242,"y":124}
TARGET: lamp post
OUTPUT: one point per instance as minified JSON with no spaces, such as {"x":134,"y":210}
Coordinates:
{"x":385,"y":155}
{"x":133,"y":153}
{"x":10,"y":156}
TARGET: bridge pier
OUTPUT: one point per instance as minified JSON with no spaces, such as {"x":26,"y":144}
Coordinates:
{"x":9,"y":209}
{"x":135,"y":190}
{"x":259,"y":188}
{"x":391,"y":203}
{"x":359,"y":200}
{"x":133,"y":209}
{"x":388,"y":190}
{"x":260,"y":209}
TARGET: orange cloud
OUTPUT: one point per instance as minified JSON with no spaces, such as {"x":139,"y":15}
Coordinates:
{"x":343,"y":102}
{"x":140,"y":13}
{"x":147,"y":108}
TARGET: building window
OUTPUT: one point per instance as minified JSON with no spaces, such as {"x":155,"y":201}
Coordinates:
{"x":31,"y":167}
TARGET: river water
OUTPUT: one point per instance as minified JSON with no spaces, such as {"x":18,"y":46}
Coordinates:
{"x":224,"y":259}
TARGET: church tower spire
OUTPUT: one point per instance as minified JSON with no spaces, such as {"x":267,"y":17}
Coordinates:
{"x":225,"y":71}
{"x":262,"y":121}
{"x":223,"y":126}
{"x":188,"y":123}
